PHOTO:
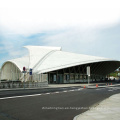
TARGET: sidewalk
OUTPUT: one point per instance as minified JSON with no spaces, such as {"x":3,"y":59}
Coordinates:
{"x":91,"y":85}
{"x":108,"y":109}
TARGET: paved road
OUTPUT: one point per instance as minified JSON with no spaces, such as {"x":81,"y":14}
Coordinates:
{"x":9,"y":93}
{"x":43,"y":105}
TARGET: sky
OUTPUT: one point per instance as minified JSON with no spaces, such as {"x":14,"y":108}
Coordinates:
{"x":89,"y":27}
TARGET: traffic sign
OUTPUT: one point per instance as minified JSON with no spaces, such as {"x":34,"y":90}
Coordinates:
{"x":24,"y":68}
{"x":30,"y":71}
{"x":88,"y":70}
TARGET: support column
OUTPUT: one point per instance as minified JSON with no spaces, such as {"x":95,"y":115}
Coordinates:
{"x":69,"y":75}
{"x":56,"y":76}
{"x":49,"y":77}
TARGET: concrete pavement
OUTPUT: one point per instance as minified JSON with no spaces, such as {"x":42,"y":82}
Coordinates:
{"x":56,"y":86}
{"x":108,"y":109}
{"x":91,"y":85}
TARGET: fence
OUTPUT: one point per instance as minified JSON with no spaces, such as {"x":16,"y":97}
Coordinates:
{"x":7,"y":85}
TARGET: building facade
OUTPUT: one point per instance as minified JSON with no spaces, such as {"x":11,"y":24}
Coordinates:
{"x":55,"y":66}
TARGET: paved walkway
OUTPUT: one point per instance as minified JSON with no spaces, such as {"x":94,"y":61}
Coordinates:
{"x":108,"y":109}
{"x":91,"y":85}
{"x":84,"y":85}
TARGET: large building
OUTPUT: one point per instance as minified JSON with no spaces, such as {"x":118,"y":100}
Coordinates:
{"x":53,"y":65}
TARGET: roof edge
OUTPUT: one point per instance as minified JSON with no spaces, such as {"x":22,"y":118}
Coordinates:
{"x":44,"y":47}
{"x":72,"y":65}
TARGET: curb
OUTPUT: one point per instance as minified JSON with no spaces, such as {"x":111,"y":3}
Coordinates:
{"x":88,"y":87}
{"x":75,"y":118}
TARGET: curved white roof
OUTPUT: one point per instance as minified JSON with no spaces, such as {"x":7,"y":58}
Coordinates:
{"x":44,"y":59}
{"x":60,"y":59}
{"x":20,"y":62}
{"x":38,"y":53}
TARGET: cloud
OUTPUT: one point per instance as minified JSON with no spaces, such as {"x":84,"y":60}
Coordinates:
{"x":88,"y":26}
{"x":71,"y":40}
{"x":98,"y":41}
{"x":11,"y":45}
{"x":30,"y":17}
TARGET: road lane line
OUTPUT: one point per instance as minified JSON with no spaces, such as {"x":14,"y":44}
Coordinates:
{"x":57,"y":92}
{"x":13,"y":97}
{"x":47,"y":93}
{"x":110,"y":90}
{"x":98,"y":89}
{"x":71,"y":90}
{"x":80,"y":88}
{"x":64,"y":91}
{"x":20,"y":96}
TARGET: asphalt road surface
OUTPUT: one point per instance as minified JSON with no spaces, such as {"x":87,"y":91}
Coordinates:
{"x":50,"y":104}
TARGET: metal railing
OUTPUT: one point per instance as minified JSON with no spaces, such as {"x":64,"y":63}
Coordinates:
{"x":10,"y":85}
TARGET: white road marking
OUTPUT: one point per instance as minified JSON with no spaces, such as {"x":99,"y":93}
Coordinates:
{"x":13,"y":97}
{"x":64,"y":91}
{"x":71,"y":90}
{"x":110,"y":90}
{"x":98,"y":89}
{"x":20,"y":96}
{"x":47,"y":93}
{"x":57,"y":92}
